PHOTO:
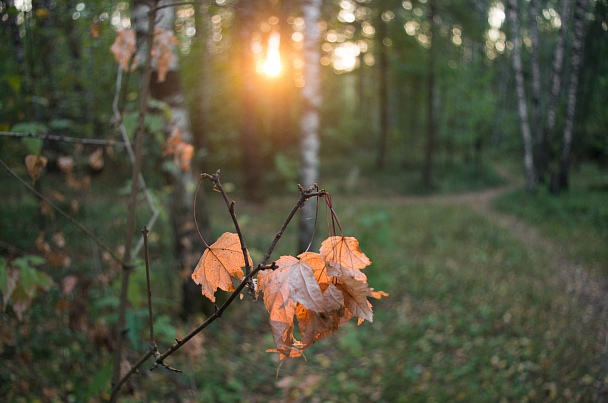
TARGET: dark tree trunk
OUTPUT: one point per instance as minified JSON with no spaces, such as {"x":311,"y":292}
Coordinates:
{"x":249,"y":142}
{"x":575,"y":66}
{"x":556,"y":79}
{"x":427,"y":170}
{"x":537,"y":126}
{"x":382,"y":94}
{"x":187,"y":244}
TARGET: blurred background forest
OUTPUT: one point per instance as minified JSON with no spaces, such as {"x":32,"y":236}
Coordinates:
{"x":464,"y":143}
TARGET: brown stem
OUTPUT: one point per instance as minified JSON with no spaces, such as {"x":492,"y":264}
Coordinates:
{"x":65,"y":139}
{"x":136,"y":171}
{"x":305,"y":194}
{"x":153,"y":347}
{"x":215,"y":178}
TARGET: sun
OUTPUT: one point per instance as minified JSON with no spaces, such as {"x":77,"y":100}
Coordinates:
{"x":272,"y":65}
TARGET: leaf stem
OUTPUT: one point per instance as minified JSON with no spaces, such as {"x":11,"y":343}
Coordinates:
{"x":305,"y":194}
{"x":135,"y":180}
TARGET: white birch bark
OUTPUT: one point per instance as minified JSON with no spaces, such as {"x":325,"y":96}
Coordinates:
{"x":309,"y":122}
{"x":521,"y":98}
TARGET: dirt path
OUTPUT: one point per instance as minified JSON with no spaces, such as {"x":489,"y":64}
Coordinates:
{"x":588,"y":288}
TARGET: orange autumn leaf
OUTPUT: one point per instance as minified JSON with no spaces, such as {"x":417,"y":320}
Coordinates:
{"x":378,"y":294}
{"x":316,"y":262}
{"x":355,"y":294}
{"x":182,"y":152}
{"x":35,"y":164}
{"x":220,"y":263}
{"x":124,"y":47}
{"x":96,"y":161}
{"x":344,"y":257}
{"x":164,"y":42}
{"x":294,"y":286}
{"x":293,"y":281}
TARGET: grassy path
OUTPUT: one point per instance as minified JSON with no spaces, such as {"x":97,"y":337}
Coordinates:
{"x":587,"y":287}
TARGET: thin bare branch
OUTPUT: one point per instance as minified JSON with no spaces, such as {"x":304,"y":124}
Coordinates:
{"x":65,"y":139}
{"x":215,"y":179}
{"x":198,"y":185}
{"x":127,"y":145}
{"x":153,"y":347}
{"x":135,"y":177}
{"x":305,"y":194}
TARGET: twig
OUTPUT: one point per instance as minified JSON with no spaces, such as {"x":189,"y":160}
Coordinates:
{"x":127,"y":145}
{"x":134,"y":368}
{"x":198,"y":185}
{"x":65,"y":139}
{"x":136,"y":175}
{"x":153,"y":347}
{"x":305,"y":194}
{"x":65,"y":215}
{"x":215,"y":179}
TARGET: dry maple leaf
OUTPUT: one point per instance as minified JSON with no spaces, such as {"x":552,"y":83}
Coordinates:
{"x":164,"y":42}
{"x":221,"y":262}
{"x":315,"y":326}
{"x":35,"y":164}
{"x":291,"y":285}
{"x":317,"y":263}
{"x":182,"y":152}
{"x":344,"y":257}
{"x":293,"y":281}
{"x":96,"y":161}
{"x":124,"y":47}
{"x":355,"y":294}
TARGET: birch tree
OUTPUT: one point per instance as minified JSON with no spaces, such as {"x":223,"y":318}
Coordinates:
{"x":521,"y":97}
{"x":309,"y":122}
{"x":168,"y":89}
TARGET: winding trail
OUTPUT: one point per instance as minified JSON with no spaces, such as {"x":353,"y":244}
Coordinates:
{"x":587,"y":286}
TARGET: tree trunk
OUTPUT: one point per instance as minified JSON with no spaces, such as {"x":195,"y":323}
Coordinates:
{"x":575,"y":66}
{"x":249,"y":142}
{"x":309,"y":122}
{"x":556,"y":78}
{"x":383,"y":94}
{"x":521,"y":98}
{"x":536,"y":89}
{"x":187,"y":244}
{"x":430,"y":129}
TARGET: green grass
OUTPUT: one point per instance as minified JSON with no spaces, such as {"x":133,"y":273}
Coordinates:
{"x":361,"y":176}
{"x":577,"y":220}
{"x":474,"y":314}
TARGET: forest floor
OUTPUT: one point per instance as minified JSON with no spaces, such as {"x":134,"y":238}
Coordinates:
{"x":588,"y":287}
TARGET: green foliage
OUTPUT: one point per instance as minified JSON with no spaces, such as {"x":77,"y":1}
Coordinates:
{"x":471,"y":309}
{"x":20,"y":280}
{"x":33,"y":145}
